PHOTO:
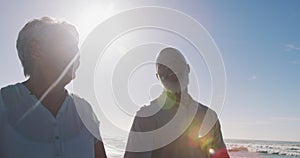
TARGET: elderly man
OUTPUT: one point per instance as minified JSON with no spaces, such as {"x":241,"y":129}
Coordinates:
{"x":38,"y":117}
{"x":174,"y":125}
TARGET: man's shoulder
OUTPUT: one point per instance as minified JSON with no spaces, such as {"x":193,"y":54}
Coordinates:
{"x":205,"y":109}
{"x":153,"y":108}
{"x":148,"y":109}
{"x":208,"y":118}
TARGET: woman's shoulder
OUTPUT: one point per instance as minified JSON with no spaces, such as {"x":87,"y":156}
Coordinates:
{"x":1,"y":104}
{"x":79,"y":100}
{"x":85,"y":111}
{"x":10,"y":89}
{"x":8,"y":93}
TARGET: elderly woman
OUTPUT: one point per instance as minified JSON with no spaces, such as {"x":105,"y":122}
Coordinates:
{"x":38,"y":117}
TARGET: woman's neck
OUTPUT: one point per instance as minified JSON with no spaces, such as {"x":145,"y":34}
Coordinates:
{"x":38,"y":86}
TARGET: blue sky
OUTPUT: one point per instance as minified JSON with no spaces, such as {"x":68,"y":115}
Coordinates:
{"x":258,"y":40}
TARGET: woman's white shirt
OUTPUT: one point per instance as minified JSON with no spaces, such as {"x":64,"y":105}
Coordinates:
{"x":28,"y":129}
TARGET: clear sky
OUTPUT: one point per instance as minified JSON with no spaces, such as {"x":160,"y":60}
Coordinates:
{"x":258,"y":40}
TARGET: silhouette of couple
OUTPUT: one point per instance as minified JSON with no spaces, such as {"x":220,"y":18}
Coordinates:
{"x":38,"y":117}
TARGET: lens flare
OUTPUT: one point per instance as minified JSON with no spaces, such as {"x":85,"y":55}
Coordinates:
{"x":211,"y":151}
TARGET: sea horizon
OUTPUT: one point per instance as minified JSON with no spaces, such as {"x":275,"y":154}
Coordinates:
{"x":270,"y":140}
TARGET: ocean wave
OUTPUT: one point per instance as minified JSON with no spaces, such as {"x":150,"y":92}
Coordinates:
{"x":275,"y":149}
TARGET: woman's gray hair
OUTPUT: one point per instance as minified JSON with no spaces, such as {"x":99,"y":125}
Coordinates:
{"x":40,"y":30}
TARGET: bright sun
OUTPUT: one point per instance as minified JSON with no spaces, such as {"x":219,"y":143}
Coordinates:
{"x":91,"y":16}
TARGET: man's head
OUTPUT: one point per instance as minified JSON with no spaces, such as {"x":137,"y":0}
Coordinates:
{"x":172,"y":70}
{"x":46,"y":46}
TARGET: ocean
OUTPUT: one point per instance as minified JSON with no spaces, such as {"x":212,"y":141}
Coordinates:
{"x":237,"y":148}
{"x":263,"y":149}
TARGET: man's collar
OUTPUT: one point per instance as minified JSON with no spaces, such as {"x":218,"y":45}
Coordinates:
{"x":168,"y":99}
